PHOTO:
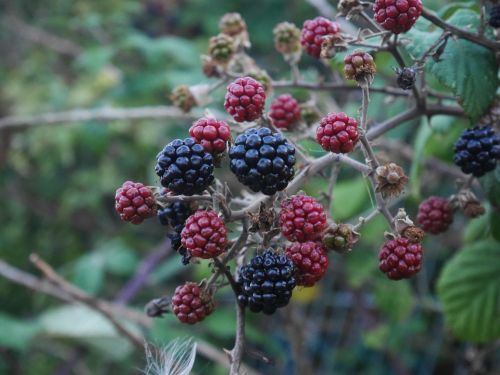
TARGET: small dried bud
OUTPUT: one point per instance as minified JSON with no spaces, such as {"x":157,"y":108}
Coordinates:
{"x":330,"y":44}
{"x":309,"y":112}
{"x":350,"y":8}
{"x":406,"y":77}
{"x":232,"y":24}
{"x":340,"y":238}
{"x":262,"y":221}
{"x":287,"y":38}
{"x":391,"y":180}
{"x":221,"y":48}
{"x":406,"y":228}
{"x":359,"y":66}
{"x":414,"y":234}
{"x":467,"y":201}
{"x":264,"y":78}
{"x":157,"y":307}
{"x":183,"y":98}
{"x":209,"y":67}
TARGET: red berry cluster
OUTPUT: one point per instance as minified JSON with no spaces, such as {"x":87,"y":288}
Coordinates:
{"x":191,"y":304}
{"x":284,"y":111}
{"x":310,"y":260}
{"x":204,"y":235}
{"x":397,"y":16}
{"x":337,"y":133}
{"x":134,"y":202}
{"x":400,"y":259}
{"x":212,"y":134}
{"x":302,"y":218}
{"x":435,"y":215}
{"x":313,"y":33}
{"x":245,"y":99}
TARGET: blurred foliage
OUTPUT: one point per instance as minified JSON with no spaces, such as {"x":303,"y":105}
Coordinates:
{"x":58,"y":186}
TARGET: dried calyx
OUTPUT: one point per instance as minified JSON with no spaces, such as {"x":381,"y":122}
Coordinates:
{"x":340,"y":237}
{"x":467,"y":201}
{"x":406,"y":228}
{"x":391,"y":180}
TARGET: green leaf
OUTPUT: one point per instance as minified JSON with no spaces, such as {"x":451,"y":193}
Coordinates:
{"x":393,"y":298}
{"x":469,"y":288}
{"x":460,"y":61}
{"x":86,"y":325}
{"x":495,"y":224}
{"x":491,"y":186}
{"x":349,"y":198}
{"x":89,"y":273}
{"x":16,"y":334}
{"x":423,"y":135}
{"x":478,"y":228}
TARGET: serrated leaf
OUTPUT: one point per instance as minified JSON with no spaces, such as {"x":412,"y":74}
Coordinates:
{"x":467,"y":69}
{"x":469,"y":288}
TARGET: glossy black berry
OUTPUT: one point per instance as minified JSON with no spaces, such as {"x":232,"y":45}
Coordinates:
{"x":266,"y":283}
{"x":185,"y":167}
{"x":262,"y":160}
{"x":477,"y":151}
{"x":406,"y":77}
{"x":495,"y":16}
{"x":174,"y":214}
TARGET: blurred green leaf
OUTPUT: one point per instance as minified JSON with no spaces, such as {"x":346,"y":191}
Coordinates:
{"x":478,"y":228}
{"x":469,"y":288}
{"x":423,"y":135}
{"x":89,"y":273}
{"x":491,"y":185}
{"x":15,"y":333}
{"x":394,"y":299}
{"x":84,"y":324}
{"x":349,"y":198}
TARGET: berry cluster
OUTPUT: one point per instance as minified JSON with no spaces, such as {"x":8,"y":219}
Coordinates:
{"x":204,"y":235}
{"x":284,"y":111}
{"x":262,"y":160}
{"x":400,"y":259}
{"x":134,"y":202}
{"x":477,"y":150}
{"x":435,"y":215}
{"x":310,"y":260}
{"x":185,"y":167}
{"x":337,"y":133}
{"x":397,"y":16}
{"x":191,"y":304}
{"x":245,"y":99}
{"x":266,"y":283}
{"x":313,"y":33}
{"x":212,"y":134}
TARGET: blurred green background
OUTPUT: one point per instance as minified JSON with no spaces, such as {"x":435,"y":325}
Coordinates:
{"x":57,"y":184}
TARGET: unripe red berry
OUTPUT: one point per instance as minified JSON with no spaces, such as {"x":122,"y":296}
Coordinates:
{"x":313,"y":33}
{"x":204,"y":235}
{"x":245,"y":99}
{"x":400,"y":259}
{"x":191,"y":304}
{"x":435,"y":215}
{"x":302,"y":218}
{"x":284,"y":111}
{"x":134,"y":202}
{"x":397,"y":16}
{"x":337,"y":133}
{"x":212,"y":134}
{"x":310,"y":260}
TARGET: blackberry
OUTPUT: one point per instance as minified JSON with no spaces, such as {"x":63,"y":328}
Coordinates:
{"x":435,"y":215}
{"x":134,"y":202}
{"x":406,"y":77}
{"x":400,"y":259}
{"x":175,"y":215}
{"x":185,"y":167}
{"x":495,"y":16}
{"x":477,"y":150}
{"x":191,"y":304}
{"x":262,"y":160}
{"x":266,"y":283}
{"x":397,"y":16}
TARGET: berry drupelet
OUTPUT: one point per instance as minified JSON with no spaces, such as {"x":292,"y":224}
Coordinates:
{"x":134,"y":202}
{"x":185,"y":167}
{"x":310,"y":260}
{"x":191,"y":304}
{"x":477,"y":151}
{"x":204,"y":235}
{"x":212,"y":134}
{"x":313,"y":32}
{"x":262,"y":160}
{"x":400,"y":259}
{"x":302,"y":218}
{"x":435,"y":215}
{"x":266,"y":283}
{"x":337,"y":133}
{"x":245,"y":99}
{"x":284,"y":111}
{"x":397,"y":16}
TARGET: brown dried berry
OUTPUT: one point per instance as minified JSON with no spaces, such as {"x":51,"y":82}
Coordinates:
{"x":391,"y":180}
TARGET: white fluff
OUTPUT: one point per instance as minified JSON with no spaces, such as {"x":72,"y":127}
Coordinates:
{"x":176,"y":358}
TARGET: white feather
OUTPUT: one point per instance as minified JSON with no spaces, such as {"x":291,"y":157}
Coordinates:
{"x":176,"y":358}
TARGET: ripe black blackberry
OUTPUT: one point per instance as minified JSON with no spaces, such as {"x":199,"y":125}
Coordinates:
{"x":477,"y":150}
{"x":174,"y":215}
{"x":262,"y":160}
{"x":266,"y":283}
{"x":495,"y":16}
{"x":185,"y":167}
